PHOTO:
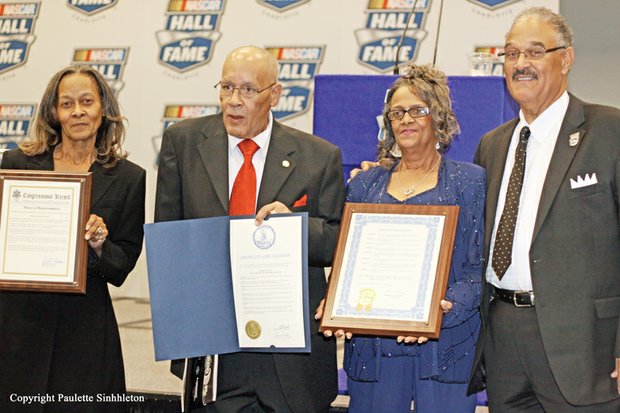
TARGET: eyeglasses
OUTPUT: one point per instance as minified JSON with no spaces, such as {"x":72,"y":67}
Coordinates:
{"x":414,"y":112}
{"x":226,"y":90}
{"x":533,"y":53}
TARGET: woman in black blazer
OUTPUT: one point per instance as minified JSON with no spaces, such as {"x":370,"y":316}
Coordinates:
{"x":65,"y":348}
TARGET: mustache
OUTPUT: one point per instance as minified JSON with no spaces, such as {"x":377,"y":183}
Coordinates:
{"x":524,"y":72}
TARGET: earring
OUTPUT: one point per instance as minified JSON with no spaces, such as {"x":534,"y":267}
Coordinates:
{"x":395,"y":151}
{"x":437,"y":146}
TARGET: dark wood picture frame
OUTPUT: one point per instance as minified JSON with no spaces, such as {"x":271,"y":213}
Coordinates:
{"x":77,"y":285}
{"x":392,"y":327}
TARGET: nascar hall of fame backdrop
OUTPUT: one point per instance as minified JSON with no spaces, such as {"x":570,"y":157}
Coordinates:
{"x":163,"y":57}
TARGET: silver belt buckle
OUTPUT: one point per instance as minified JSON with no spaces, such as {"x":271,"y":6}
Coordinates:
{"x":530,"y":293}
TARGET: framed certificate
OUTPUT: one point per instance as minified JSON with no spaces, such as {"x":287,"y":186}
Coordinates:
{"x":42,"y":220}
{"x":390,"y":269}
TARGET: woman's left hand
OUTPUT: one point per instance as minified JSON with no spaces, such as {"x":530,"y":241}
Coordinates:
{"x":96,"y":233}
{"x":446,"y":306}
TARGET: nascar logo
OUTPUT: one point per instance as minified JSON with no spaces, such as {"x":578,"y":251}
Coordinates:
{"x":91,"y":7}
{"x":110,"y":62}
{"x":15,"y":123}
{"x":176,"y":113}
{"x":282,"y":5}
{"x":16,"y":33}
{"x":493,"y":4}
{"x":191,"y":32}
{"x":297,"y":66}
{"x":385,"y":24}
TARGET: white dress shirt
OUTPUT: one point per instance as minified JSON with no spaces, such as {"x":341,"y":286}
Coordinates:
{"x":235,"y":157}
{"x":544,"y":133}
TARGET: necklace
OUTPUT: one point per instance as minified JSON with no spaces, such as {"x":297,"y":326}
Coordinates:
{"x":410,"y":190}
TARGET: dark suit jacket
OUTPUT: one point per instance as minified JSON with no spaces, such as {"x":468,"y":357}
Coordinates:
{"x":193,"y":183}
{"x":69,"y":343}
{"x":575,"y":251}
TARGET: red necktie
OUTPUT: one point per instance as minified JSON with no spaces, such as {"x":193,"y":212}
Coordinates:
{"x":243,"y":196}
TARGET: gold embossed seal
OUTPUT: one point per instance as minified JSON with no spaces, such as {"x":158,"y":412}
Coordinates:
{"x":252,"y":329}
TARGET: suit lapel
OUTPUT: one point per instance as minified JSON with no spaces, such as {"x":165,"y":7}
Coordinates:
{"x":213,"y":151}
{"x":563,"y":155}
{"x":279,"y":165}
{"x":102,"y":177}
{"x":44,"y":162}
{"x":495,"y":164}
{"x":102,"y":180}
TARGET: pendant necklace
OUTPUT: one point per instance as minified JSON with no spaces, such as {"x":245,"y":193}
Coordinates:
{"x":410,"y":190}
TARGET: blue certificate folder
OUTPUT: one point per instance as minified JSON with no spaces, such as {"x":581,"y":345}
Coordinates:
{"x":191,"y":290}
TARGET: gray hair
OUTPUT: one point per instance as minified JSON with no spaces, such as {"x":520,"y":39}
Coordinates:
{"x":431,"y":85}
{"x":560,"y":25}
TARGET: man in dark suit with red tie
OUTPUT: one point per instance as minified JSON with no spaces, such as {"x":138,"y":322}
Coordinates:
{"x":242,"y":161}
{"x":550,"y":333}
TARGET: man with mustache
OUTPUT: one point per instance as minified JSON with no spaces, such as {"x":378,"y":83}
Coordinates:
{"x":236,"y":163}
{"x":550,"y":335}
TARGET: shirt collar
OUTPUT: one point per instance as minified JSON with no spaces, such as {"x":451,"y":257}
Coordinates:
{"x":262,"y":139}
{"x":544,"y":124}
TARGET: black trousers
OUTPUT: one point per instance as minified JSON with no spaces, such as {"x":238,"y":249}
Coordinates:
{"x":519,"y":378}
{"x":247,"y":383}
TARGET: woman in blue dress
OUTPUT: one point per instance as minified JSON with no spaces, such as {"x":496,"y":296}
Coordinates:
{"x":387,"y":374}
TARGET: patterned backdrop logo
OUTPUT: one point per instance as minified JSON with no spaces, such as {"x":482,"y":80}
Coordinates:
{"x":282,"y":5}
{"x":110,"y":62}
{"x":297,"y":66}
{"x":384,"y":26}
{"x":176,"y":113}
{"x":191,"y":32}
{"x":90,"y":7}
{"x":497,"y":63}
{"x":493,"y":4}
{"x":15,"y":123}
{"x":16,"y":33}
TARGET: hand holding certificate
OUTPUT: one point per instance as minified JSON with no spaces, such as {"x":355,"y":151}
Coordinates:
{"x":42,"y":218}
{"x":253,"y":292}
{"x":267,"y":274}
{"x":390,"y":269}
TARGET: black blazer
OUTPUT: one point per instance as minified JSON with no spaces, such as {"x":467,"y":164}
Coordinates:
{"x":193,"y":183}
{"x":69,"y":343}
{"x":575,"y":251}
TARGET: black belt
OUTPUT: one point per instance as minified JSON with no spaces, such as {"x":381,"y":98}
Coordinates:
{"x":517,"y":298}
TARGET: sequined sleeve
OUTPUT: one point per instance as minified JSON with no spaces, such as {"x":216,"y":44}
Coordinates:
{"x":466,"y":272}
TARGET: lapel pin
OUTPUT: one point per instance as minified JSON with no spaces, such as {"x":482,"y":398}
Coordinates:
{"x":573,"y":139}
{"x":286,"y":164}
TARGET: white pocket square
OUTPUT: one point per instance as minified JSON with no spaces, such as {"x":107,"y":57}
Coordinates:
{"x":587,"y":180}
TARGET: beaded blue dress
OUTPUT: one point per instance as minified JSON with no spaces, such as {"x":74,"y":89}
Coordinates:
{"x":384,"y":375}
